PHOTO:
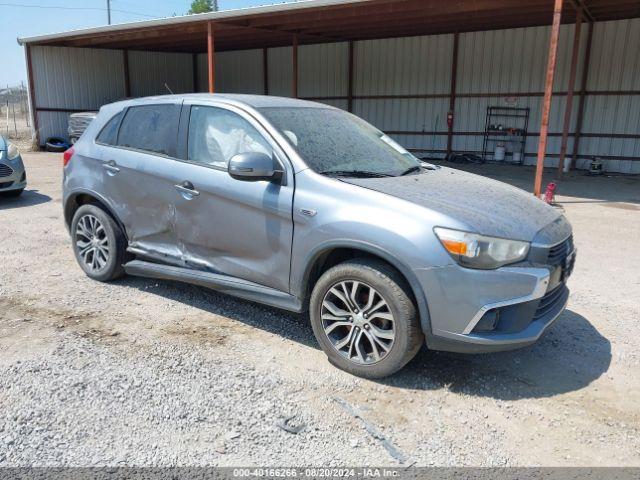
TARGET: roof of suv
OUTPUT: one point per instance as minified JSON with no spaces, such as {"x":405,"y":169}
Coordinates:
{"x":255,"y":101}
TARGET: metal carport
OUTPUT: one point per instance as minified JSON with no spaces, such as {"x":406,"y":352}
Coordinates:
{"x":401,"y":64}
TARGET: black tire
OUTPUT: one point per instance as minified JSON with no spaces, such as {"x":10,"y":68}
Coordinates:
{"x":56,"y":144}
{"x":393,"y":289}
{"x":116,"y":244}
{"x":12,"y":193}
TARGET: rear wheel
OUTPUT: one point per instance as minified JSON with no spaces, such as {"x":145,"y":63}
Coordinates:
{"x":364,"y":318}
{"x":98,"y":243}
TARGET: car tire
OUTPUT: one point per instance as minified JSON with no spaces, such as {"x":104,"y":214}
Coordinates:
{"x":13,"y":193}
{"x":98,"y":243}
{"x":398,"y":318}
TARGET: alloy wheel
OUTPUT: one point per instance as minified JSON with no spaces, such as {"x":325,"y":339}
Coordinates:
{"x":92,"y":242}
{"x":358,"y":322}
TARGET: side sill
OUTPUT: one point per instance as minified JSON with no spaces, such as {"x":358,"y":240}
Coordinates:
{"x":222,"y":283}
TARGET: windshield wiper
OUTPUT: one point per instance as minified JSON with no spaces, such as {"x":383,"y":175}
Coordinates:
{"x":355,"y":173}
{"x":411,"y":170}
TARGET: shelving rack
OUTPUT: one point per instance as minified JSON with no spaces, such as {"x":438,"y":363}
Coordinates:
{"x":515,"y":132}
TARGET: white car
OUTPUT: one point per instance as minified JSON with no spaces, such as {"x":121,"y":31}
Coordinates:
{"x":13,"y":177}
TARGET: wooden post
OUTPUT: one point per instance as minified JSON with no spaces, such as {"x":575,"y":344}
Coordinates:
{"x":452,"y":95}
{"x":265,"y":70}
{"x":350,"y":79}
{"x":583,"y":95}
{"x":548,"y":92}
{"x":294,"y":79}
{"x":572,"y":80}
{"x":127,"y":77}
{"x":211,"y":65}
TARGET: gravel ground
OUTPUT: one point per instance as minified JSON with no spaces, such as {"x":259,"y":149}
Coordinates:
{"x":140,"y":372}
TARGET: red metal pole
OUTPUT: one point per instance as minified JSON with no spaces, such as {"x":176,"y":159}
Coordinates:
{"x":294,"y":79}
{"x":211,"y":57}
{"x":548,"y":92}
{"x":452,"y":96}
{"x":572,"y":81}
{"x":583,"y":95}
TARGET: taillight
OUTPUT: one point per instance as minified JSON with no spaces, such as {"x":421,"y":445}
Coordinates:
{"x":66,"y":156}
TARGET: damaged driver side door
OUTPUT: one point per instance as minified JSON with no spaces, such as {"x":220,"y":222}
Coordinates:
{"x":139,"y":174}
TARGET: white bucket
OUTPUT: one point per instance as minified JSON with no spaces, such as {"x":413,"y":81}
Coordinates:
{"x":498,"y":155}
{"x":517,"y":157}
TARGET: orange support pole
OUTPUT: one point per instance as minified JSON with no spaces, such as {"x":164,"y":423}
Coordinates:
{"x":211,"y":57}
{"x":548,"y":92}
{"x":572,"y":80}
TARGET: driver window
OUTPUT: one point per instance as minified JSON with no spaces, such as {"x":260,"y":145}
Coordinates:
{"x":216,"y":135}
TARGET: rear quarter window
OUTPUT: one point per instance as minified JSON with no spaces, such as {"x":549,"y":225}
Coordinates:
{"x":109,"y":133}
{"x":152,"y":128}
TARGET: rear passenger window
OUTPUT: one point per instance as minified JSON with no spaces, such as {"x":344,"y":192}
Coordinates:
{"x":216,"y":135}
{"x":152,"y":128}
{"x":109,"y":134}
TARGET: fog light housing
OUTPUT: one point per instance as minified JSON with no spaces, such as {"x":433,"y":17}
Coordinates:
{"x":488,"y":322}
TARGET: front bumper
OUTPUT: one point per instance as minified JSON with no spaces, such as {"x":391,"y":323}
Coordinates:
{"x":12,"y":175}
{"x":520,"y":303}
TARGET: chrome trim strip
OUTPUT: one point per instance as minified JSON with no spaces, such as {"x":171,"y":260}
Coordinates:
{"x":542,"y":282}
{"x":542,"y":245}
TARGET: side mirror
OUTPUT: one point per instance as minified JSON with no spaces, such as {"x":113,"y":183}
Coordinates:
{"x":253,"y":167}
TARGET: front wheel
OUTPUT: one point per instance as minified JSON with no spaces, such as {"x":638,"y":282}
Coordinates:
{"x":364,"y":319}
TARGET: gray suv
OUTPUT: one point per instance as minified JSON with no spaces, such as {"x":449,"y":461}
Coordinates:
{"x":302,"y":206}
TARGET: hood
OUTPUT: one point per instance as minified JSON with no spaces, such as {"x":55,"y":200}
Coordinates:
{"x":3,"y":144}
{"x":489,"y":207}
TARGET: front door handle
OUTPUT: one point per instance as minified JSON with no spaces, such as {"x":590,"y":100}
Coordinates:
{"x":187,"y":190}
{"x":111,"y":167}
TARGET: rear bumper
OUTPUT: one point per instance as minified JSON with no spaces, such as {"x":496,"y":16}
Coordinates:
{"x":518,"y":302}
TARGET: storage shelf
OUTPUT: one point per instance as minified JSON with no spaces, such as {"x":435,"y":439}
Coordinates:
{"x":493,"y":136}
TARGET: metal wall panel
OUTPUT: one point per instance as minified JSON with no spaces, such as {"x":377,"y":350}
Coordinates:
{"x":403,"y":66}
{"x":323,"y":70}
{"x":150,"y":71}
{"x":615,"y":66}
{"x":280,"y":71}
{"x":202,"y":73}
{"x":53,"y":124}
{"x":76,"y":78}
{"x":512,"y":61}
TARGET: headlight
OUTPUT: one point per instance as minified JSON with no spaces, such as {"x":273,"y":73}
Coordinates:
{"x":477,"y":251}
{"x":12,"y":152}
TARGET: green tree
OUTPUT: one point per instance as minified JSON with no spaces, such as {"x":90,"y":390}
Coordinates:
{"x":203,"y":6}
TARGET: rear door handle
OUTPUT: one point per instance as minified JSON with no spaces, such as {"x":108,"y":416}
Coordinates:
{"x":187,"y":190}
{"x":111,"y":167}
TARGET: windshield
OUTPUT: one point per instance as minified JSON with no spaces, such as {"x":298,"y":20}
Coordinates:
{"x":333,"y":141}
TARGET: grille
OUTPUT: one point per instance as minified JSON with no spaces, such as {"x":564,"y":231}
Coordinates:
{"x":549,"y":301}
{"x":5,"y":184}
{"x":5,"y":170}
{"x":559,"y":252}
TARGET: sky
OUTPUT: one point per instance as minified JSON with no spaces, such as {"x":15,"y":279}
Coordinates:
{"x":25,"y":18}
